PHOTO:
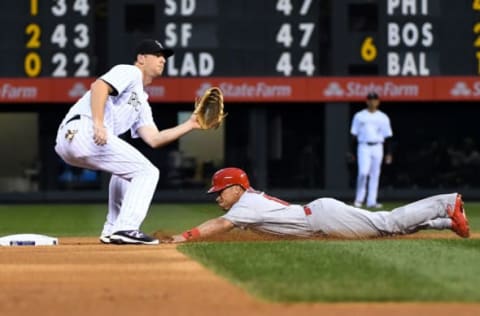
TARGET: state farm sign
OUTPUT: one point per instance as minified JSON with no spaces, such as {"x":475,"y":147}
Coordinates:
{"x":258,"y":89}
{"x":10,"y":91}
{"x":359,"y":90}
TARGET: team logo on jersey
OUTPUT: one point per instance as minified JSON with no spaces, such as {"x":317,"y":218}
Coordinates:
{"x":134,"y":101}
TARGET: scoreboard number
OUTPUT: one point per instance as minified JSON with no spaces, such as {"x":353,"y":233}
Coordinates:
{"x":83,"y":62}
{"x":297,"y":38}
{"x":82,"y":40}
{"x":66,"y":23}
{"x":284,"y":35}
{"x":476,"y":5}
{"x":368,"y":51}
{"x":59,"y":36}
{"x":32,"y":64}
{"x":81,"y":6}
{"x":34,"y":31}
{"x":305,"y":65}
{"x":286,"y":7}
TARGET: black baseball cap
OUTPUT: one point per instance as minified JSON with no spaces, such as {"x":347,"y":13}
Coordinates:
{"x":372,"y":96}
{"x":151,"y":46}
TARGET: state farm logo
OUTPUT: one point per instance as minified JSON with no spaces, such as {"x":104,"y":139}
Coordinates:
{"x":356,"y":89}
{"x":245,"y":90}
{"x":203,"y":87}
{"x":460,"y":89}
{"x":333,"y":90}
{"x":77,"y":90}
{"x":465,"y":89}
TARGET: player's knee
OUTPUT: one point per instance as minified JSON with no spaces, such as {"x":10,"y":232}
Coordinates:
{"x":362,"y":176}
{"x":148,"y":171}
{"x":153,"y":172}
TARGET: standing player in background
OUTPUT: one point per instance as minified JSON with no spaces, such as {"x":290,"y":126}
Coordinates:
{"x":88,"y":138}
{"x":370,"y":129}
{"x":249,"y":209}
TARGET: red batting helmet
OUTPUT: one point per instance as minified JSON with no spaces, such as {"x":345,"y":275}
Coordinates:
{"x":227,"y":177}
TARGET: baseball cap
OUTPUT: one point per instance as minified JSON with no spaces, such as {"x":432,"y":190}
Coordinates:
{"x":372,"y":96}
{"x":151,"y":46}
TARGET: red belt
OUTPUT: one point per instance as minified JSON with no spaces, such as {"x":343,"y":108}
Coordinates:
{"x":307,"y":210}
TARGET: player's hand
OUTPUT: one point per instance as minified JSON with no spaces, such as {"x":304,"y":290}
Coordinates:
{"x":175,"y":239}
{"x":193,"y":121}
{"x":388,"y":159}
{"x":99,"y":135}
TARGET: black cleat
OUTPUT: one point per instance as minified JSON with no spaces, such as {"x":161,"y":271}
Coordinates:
{"x":135,"y":237}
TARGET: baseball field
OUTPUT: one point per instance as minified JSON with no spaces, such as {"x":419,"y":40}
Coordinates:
{"x":240,"y":273}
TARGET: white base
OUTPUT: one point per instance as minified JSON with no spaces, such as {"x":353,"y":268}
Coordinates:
{"x":28,"y":240}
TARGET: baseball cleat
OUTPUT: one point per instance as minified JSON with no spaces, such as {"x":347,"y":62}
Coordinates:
{"x":376,"y":206}
{"x":135,"y":237}
{"x":459,"y":218}
{"x":104,"y":239}
{"x":357,"y":204}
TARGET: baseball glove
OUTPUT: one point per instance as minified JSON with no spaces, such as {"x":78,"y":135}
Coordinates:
{"x":209,"y":108}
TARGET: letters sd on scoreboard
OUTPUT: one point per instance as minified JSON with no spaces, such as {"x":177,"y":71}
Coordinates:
{"x":411,"y":37}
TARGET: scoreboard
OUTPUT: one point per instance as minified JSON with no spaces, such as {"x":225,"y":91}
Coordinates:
{"x":46,"y":38}
{"x":288,"y":48}
{"x":407,"y":37}
{"x":284,"y":38}
{"x":225,"y":37}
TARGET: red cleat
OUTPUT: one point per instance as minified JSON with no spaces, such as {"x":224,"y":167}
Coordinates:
{"x":459,"y":218}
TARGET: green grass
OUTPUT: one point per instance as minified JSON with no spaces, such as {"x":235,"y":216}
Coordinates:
{"x":373,"y":270}
{"x":88,"y":219}
{"x":331,"y":271}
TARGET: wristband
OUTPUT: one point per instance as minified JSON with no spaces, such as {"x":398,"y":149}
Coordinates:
{"x":191,"y":234}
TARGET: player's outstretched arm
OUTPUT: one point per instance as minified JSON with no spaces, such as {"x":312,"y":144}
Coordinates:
{"x":208,"y":228}
{"x":155,"y":138}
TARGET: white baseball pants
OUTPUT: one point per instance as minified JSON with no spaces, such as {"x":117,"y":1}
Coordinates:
{"x":133,"y":181}
{"x":369,"y":158}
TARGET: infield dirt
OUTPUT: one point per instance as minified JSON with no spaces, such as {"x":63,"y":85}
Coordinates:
{"x":82,"y":277}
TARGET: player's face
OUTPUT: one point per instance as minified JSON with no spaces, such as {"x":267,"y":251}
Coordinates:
{"x":229,"y":196}
{"x":373,"y":104}
{"x":154,"y":64}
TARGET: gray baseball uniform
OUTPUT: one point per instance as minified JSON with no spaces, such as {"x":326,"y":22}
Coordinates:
{"x":134,"y":178}
{"x":327,"y":216}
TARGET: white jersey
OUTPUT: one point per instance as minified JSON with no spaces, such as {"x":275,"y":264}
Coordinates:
{"x":127,"y":107}
{"x":371,"y":127}
{"x":259,"y":211}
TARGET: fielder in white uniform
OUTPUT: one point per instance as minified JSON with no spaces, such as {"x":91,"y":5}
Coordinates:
{"x":370,"y":128}
{"x":88,"y":137}
{"x":247,"y":208}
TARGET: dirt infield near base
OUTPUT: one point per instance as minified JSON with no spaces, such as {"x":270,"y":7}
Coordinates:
{"x":82,"y":277}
